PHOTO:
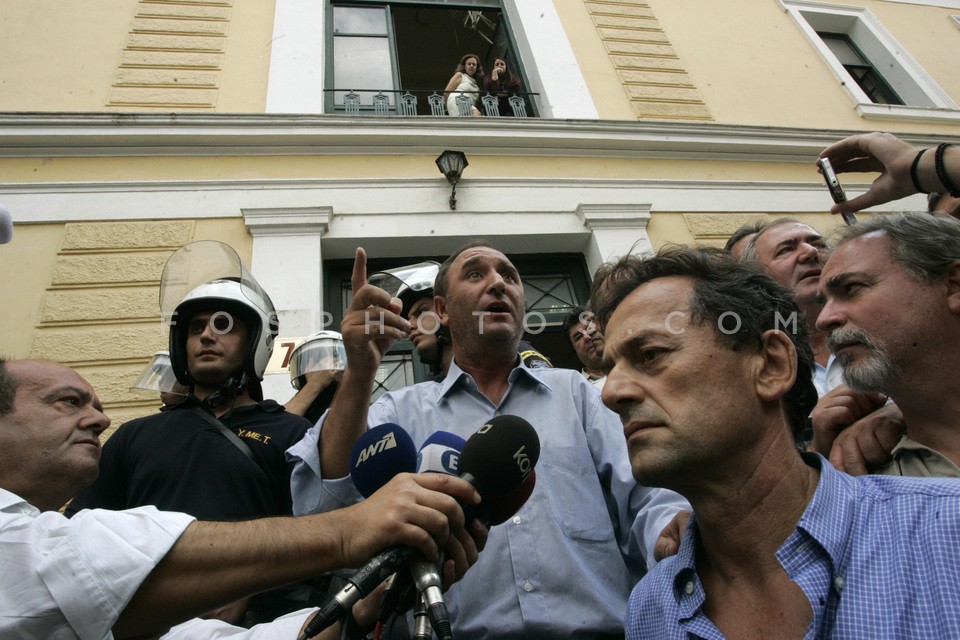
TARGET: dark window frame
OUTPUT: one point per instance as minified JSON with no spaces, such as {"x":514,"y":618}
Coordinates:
{"x":504,"y":45}
{"x":866,"y":75}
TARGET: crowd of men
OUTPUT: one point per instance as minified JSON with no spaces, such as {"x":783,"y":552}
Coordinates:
{"x":690,"y":480}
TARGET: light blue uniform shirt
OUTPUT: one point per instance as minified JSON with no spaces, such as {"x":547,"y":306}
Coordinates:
{"x":564,"y":565}
{"x":877,"y":557}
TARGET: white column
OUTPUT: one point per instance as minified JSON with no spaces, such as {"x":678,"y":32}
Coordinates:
{"x":295,"y":83}
{"x":288,"y":263}
{"x":616,"y":230}
{"x":549,"y":61}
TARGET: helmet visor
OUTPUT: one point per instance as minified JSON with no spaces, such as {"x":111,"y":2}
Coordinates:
{"x":203,"y":261}
{"x":323,"y":354}
{"x":414,"y":277}
{"x":158,"y":376}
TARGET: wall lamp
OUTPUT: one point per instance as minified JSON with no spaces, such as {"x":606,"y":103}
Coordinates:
{"x":452,"y":164}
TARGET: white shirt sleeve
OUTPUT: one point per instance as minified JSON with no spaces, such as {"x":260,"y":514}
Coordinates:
{"x":283,"y":628}
{"x":71,"y":578}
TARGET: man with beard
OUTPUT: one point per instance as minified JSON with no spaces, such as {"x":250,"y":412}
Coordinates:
{"x":563,"y":566}
{"x":712,"y":394}
{"x":587,"y":341}
{"x":891,"y":293}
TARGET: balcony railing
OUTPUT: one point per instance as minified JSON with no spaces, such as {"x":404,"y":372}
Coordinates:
{"x":407,"y":103}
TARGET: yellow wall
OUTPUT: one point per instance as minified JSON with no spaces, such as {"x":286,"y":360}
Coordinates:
{"x":123,"y":55}
{"x":62,"y":64}
{"x":754,"y":66}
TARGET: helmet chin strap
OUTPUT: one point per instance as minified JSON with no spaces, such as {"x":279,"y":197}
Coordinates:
{"x":437,"y":366}
{"x":227,"y":393}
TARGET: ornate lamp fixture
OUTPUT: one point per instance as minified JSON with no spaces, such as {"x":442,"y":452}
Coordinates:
{"x":452,"y":164}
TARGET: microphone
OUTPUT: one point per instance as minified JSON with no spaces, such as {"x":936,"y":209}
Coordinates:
{"x":513,"y":443}
{"x":440,"y":453}
{"x":496,"y":460}
{"x":6,"y":225}
{"x":421,"y":625}
{"x":504,"y":488}
{"x":379,"y":454}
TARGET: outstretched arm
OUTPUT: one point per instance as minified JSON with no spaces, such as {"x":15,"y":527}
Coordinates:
{"x":894,"y":159}
{"x":214,"y":563}
{"x":370,"y":327}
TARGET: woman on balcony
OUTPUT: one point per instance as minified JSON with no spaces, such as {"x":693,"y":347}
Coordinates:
{"x":464,"y":82}
{"x":502,"y":84}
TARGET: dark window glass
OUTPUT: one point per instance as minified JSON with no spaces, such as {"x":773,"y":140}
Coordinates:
{"x":863,"y":72}
{"x":393,"y":48}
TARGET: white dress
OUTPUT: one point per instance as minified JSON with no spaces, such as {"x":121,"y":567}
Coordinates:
{"x":467,"y":85}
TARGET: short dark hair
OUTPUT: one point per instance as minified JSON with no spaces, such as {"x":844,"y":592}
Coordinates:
{"x":742,"y":232}
{"x":440,"y":284}
{"x":722,"y":285}
{"x":572,"y":319}
{"x":925,"y":244}
{"x":8,"y":388}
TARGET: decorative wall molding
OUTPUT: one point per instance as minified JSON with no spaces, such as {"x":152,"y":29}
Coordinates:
{"x":172,"y":135}
{"x":172,"y":56}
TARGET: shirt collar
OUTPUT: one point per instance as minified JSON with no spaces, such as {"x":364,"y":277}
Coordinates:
{"x":829,"y":516}
{"x":12,"y":503}
{"x":455,"y":374}
{"x":827,"y":519}
{"x":687,"y":588}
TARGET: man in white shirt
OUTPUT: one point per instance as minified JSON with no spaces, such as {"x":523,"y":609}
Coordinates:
{"x":136,"y":572}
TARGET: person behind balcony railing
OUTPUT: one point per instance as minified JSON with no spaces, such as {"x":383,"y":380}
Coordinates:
{"x":503,"y":84}
{"x":464,"y":82}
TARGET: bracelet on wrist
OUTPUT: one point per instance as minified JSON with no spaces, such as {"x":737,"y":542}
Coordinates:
{"x":913,"y":172}
{"x":942,"y":170}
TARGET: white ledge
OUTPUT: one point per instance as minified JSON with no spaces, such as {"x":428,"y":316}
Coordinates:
{"x":147,"y":135}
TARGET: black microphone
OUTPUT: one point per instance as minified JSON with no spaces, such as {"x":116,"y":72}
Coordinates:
{"x":496,"y":460}
{"x":504,"y":486}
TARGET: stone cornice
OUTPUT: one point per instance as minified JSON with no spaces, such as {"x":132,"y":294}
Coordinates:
{"x":147,"y":135}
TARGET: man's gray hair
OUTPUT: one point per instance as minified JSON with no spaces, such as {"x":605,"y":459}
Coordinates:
{"x":749,"y":253}
{"x":925,"y":244}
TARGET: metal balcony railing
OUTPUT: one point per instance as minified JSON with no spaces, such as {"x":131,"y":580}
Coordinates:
{"x":383,"y":102}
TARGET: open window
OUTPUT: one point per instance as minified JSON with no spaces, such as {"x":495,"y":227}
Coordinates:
{"x":875,"y":69}
{"x":391,"y":57}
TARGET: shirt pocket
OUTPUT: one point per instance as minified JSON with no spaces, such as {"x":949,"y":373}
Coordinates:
{"x":575,"y":494}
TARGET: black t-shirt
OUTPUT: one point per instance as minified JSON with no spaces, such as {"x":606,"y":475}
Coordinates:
{"x":177,"y":461}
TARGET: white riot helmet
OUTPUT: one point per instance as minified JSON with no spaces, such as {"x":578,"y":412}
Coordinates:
{"x":409,"y":283}
{"x":232,"y":292}
{"x":321,"y":351}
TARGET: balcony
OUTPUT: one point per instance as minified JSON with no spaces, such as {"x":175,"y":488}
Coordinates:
{"x":377,"y":102}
